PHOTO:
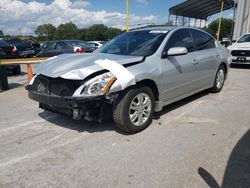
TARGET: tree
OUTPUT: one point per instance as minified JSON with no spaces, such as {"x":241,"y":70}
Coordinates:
{"x":226,"y":27}
{"x":45,"y":32}
{"x":97,"y":32}
{"x":81,"y":34}
{"x":66,"y":31}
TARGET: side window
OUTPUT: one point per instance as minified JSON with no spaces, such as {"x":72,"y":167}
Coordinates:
{"x":202,"y":40}
{"x":181,"y":38}
{"x":51,"y":46}
{"x":62,"y":45}
{"x":44,"y":46}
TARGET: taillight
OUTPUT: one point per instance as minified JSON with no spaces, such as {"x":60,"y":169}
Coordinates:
{"x":80,"y":50}
{"x":14,"y":49}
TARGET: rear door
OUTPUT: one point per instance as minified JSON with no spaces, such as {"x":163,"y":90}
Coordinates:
{"x":208,"y":57}
{"x":178,"y":76}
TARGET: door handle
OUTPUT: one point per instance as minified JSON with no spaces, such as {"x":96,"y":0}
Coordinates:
{"x":195,"y":61}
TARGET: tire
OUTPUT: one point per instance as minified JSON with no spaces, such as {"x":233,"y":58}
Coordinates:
{"x":219,"y":80}
{"x":124,"y":110}
{"x":17,"y":70}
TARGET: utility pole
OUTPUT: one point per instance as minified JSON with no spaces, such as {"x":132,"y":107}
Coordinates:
{"x":219,"y":27}
{"x":128,"y":12}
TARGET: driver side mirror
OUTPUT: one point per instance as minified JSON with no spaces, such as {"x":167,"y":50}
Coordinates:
{"x":175,"y":51}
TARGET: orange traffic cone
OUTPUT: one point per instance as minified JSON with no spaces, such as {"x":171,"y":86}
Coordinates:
{"x":30,"y":72}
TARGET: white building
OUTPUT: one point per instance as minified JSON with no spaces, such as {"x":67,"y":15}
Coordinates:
{"x":242,"y":18}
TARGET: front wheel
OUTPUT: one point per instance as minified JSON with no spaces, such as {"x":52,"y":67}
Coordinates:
{"x":133,"y":109}
{"x":219,"y":79}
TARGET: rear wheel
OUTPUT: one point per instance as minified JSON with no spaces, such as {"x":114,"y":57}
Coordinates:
{"x":133,"y":109}
{"x":219,"y":79}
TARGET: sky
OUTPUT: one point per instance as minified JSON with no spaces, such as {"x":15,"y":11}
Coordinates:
{"x":23,"y":16}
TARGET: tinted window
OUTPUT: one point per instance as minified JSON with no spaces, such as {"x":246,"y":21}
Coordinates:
{"x":180,"y":38}
{"x":202,"y":40}
{"x":78,"y":43}
{"x":62,"y":45}
{"x":135,"y":43}
{"x":51,"y":46}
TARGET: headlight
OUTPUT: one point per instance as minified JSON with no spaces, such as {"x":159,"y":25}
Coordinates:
{"x":96,"y":86}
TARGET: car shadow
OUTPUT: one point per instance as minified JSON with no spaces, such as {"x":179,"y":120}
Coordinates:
{"x":15,"y":85}
{"x":108,"y":125}
{"x":237,"y":173}
{"x":80,"y":125}
{"x":180,"y":103}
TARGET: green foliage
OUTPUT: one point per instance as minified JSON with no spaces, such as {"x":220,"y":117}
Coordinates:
{"x":97,"y":32}
{"x":70,"y":31}
{"x":45,"y":32}
{"x":226,"y":26}
{"x":66,"y":31}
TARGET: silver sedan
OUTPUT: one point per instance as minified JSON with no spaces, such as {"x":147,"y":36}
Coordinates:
{"x":132,"y":76}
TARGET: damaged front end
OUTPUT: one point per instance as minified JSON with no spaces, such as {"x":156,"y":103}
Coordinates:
{"x":87,"y":99}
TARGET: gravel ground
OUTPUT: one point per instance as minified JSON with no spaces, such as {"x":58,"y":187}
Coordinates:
{"x":202,"y":141}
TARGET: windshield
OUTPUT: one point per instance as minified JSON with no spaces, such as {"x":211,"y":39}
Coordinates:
{"x":244,"y":38}
{"x":135,"y":43}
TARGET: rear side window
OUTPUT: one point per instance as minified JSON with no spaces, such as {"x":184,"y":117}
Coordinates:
{"x":181,"y":38}
{"x":62,"y":45}
{"x":202,"y":40}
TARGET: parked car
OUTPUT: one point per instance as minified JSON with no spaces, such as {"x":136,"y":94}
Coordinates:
{"x":240,"y":50}
{"x":132,"y":76}
{"x":83,"y":44}
{"x":97,"y":44}
{"x":53,"y":48}
{"x":3,"y":78}
{"x":8,"y":51}
{"x":24,"y":49}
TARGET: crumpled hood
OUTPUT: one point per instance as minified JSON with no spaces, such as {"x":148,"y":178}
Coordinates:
{"x":80,"y":65}
{"x":240,"y":46}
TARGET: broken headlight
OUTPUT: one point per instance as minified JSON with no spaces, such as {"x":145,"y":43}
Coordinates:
{"x":96,"y":86}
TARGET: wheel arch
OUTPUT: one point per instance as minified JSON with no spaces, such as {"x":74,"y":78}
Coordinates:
{"x":152,"y":85}
{"x":225,"y":66}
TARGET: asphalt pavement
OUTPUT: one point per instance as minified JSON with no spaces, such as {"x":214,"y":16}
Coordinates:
{"x":202,"y":141}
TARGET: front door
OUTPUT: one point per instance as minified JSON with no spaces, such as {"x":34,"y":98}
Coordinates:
{"x":178,"y":76}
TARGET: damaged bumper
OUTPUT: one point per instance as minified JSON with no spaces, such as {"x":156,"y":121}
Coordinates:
{"x":91,"y":109}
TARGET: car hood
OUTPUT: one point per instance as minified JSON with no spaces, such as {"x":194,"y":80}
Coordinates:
{"x":240,"y":46}
{"x":79,"y":66}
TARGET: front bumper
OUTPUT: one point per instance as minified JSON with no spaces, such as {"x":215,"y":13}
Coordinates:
{"x":94,"y":108}
{"x":239,"y":60}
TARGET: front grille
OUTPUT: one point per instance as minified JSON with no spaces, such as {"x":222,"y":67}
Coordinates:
{"x":240,"y":61}
{"x":56,"y":86}
{"x":241,"y":53}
